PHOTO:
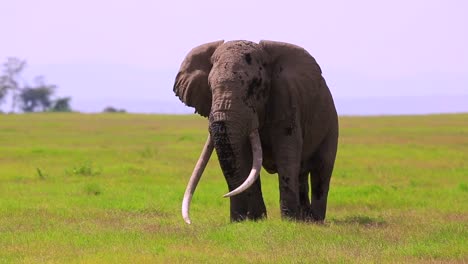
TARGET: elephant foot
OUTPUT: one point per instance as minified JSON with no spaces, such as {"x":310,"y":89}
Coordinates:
{"x":292,"y":213}
{"x":318,"y":209}
{"x":248,"y":205}
{"x":306,"y":214}
{"x":249,"y":216}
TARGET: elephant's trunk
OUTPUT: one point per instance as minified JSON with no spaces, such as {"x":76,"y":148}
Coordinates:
{"x":256,"y":164}
{"x":195,"y":178}
{"x":237,"y":153}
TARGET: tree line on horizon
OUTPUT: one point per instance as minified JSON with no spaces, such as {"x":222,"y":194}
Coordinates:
{"x":32,"y":98}
{"x":26,"y":97}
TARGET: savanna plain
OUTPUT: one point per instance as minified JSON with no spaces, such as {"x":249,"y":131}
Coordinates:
{"x":107,"y":188}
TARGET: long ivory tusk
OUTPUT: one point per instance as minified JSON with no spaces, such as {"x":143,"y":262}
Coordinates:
{"x":196,"y":175}
{"x":256,"y":164}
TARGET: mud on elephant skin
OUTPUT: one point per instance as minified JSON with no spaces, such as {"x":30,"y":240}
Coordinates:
{"x":267,"y":104}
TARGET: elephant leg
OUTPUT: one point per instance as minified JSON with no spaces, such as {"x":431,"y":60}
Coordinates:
{"x":304,"y":194}
{"x":320,"y":184}
{"x":321,"y":173}
{"x":248,"y":205}
{"x":239,"y":207}
{"x":256,"y":205}
{"x":288,"y":166}
{"x":289,"y":195}
{"x":287,"y":150}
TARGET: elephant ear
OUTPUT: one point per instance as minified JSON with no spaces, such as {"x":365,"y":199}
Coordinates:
{"x":291,"y":62}
{"x":191,"y":83}
{"x":294,"y":74}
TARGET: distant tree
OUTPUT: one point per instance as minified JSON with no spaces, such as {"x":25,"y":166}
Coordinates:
{"x":3,"y":89}
{"x":31,"y":98}
{"x":111,"y":109}
{"x":10,"y":79}
{"x":37,"y":97}
{"x":61,"y":105}
{"x":34,"y":99}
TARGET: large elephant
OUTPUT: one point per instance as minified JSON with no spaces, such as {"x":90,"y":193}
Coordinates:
{"x":269,"y":105}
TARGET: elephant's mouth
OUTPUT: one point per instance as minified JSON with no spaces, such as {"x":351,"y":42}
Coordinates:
{"x":203,"y":160}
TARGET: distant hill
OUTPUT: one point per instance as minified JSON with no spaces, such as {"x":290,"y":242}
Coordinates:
{"x":400,"y":105}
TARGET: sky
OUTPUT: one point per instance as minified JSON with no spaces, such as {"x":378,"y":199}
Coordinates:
{"x":378,"y":57}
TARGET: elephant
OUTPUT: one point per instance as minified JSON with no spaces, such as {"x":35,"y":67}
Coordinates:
{"x":267,"y":105}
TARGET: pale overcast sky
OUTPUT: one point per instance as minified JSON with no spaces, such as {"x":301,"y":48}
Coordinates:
{"x":128,"y":51}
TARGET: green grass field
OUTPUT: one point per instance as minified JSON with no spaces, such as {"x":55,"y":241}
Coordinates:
{"x":108,"y":188}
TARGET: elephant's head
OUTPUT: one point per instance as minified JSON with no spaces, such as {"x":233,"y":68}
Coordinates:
{"x":231,"y":83}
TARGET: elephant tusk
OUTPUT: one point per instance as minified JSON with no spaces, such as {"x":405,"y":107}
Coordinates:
{"x":195,"y":178}
{"x":256,"y":164}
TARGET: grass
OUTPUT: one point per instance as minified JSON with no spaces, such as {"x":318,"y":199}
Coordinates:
{"x":80,"y":188}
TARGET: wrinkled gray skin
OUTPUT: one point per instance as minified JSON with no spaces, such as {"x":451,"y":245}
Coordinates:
{"x":278,"y":89}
